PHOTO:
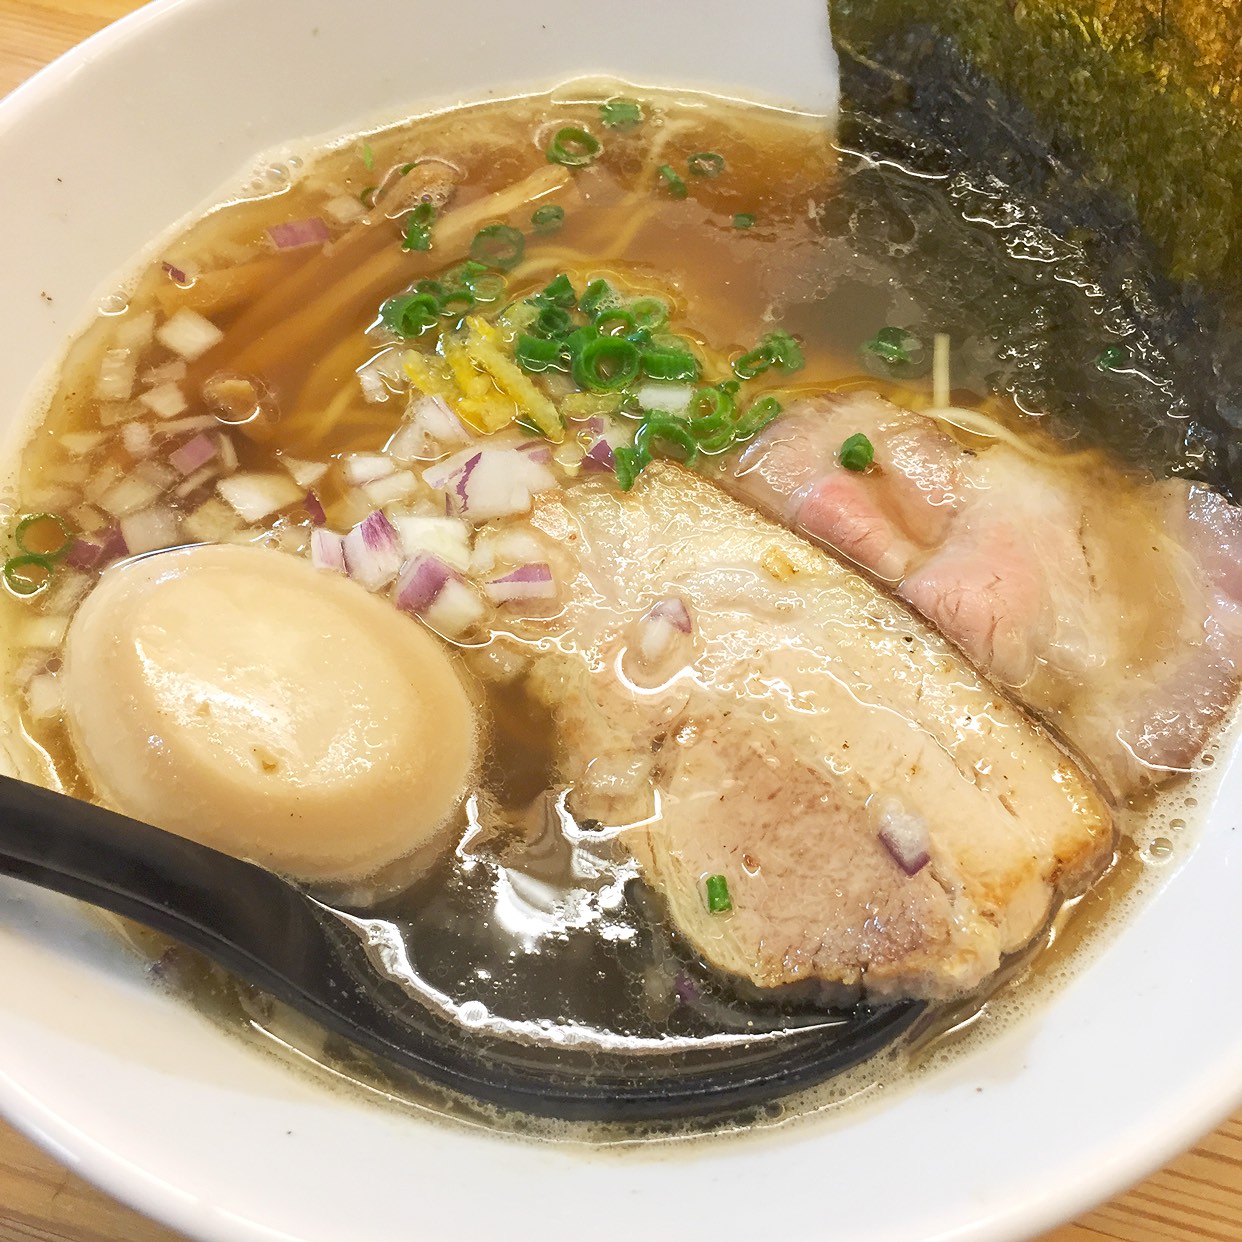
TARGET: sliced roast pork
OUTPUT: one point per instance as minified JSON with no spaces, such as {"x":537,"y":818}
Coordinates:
{"x":731,"y":701}
{"x":1111,"y":607}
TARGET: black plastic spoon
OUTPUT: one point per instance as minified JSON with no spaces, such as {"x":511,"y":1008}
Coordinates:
{"x":271,"y":934}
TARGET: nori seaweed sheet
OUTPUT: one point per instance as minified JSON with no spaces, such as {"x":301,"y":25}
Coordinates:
{"x":1001,"y":234}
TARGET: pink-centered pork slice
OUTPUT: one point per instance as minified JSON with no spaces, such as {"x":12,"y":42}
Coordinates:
{"x":1110,"y":606}
{"x":887,"y":823}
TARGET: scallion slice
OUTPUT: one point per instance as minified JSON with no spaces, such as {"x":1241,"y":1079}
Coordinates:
{"x":536,"y":354}
{"x":418,"y":227}
{"x":599,"y":295}
{"x":28,"y":574}
{"x":560,"y":292}
{"x":669,"y":429}
{"x":548,"y":218}
{"x":498,"y":245}
{"x":628,"y":463}
{"x":650,"y":314}
{"x":606,"y":364}
{"x":43,"y":534}
{"x":574,"y":147}
{"x":368,"y":157}
{"x":673,"y":182}
{"x":706,"y":164}
{"x":857,"y":453}
{"x":718,"y":899}
{"x":410,"y":314}
{"x":666,"y":363}
{"x":620,"y":113}
{"x":743,"y":220}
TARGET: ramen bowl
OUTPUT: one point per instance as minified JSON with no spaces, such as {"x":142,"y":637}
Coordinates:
{"x":1078,"y":1092}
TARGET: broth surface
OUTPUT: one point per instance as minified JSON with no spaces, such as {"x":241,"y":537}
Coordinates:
{"x":535,"y":926}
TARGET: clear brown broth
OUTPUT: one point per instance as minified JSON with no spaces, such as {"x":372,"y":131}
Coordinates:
{"x":727,"y":285}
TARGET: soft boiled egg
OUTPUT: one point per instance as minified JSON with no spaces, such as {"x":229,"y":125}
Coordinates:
{"x":277,"y":712}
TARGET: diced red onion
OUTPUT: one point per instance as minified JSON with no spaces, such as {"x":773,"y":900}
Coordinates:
{"x":149,"y":529}
{"x":167,"y":400}
{"x":255,"y":496}
{"x":533,"y":581}
{"x":114,"y":546}
{"x":83,"y":554}
{"x":600,"y":457}
{"x":304,"y":473}
{"x":373,"y":554}
{"x":430,"y":431}
{"x":175,"y":273}
{"x":327,"y":550}
{"x":295,"y":233}
{"x":193,"y":454}
{"x":188,"y":334}
{"x":905,"y":836}
{"x":455,"y":609}
{"x":537,"y":450}
{"x":382,"y":377}
{"x":673,"y":611}
{"x":314,"y":509}
{"x":445,"y":537}
{"x":661,"y":628}
{"x":363,"y":468}
{"x":489,"y":483}
{"x":391,"y":489}
{"x":421,"y":580}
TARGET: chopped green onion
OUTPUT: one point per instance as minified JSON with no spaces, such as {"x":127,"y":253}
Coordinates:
{"x":620,"y":113}
{"x":367,"y":196}
{"x":535,"y":354}
{"x":498,"y":245}
{"x":669,"y":428}
{"x":28,"y":574}
{"x":486,"y":287}
{"x":410,"y":314}
{"x":673,"y":183}
{"x":1111,"y":358}
{"x":418,"y":227}
{"x":559,"y":292}
{"x":55,"y":531}
{"x":553,"y":321}
{"x":650,"y":314}
{"x":573,"y":147}
{"x":606,"y":364}
{"x":718,"y":899}
{"x":404,"y":169}
{"x":666,"y":363}
{"x":785,"y":352}
{"x":777,"y":349}
{"x":711,"y":409}
{"x":706,"y":164}
{"x":573,"y":344}
{"x":458,"y":302}
{"x":743,"y":220}
{"x":857,"y":453}
{"x":548,"y":218}
{"x":614,"y":315}
{"x":598,"y":296}
{"x":368,"y":157}
{"x":628,"y":464}
{"x":893,"y":345}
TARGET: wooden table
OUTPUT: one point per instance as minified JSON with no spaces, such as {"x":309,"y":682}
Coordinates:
{"x":1195,"y":1199}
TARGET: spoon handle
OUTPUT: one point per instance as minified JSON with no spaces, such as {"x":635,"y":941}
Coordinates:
{"x":245,"y":918}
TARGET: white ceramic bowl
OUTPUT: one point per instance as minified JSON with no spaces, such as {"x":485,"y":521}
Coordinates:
{"x":1124,"y":1067}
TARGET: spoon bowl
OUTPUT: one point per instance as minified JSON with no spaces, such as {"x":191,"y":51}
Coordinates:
{"x":317,"y":960}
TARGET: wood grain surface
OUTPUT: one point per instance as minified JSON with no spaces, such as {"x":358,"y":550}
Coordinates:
{"x":1197,"y":1198}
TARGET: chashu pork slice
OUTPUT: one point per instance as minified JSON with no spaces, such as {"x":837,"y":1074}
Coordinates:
{"x":887,"y":823}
